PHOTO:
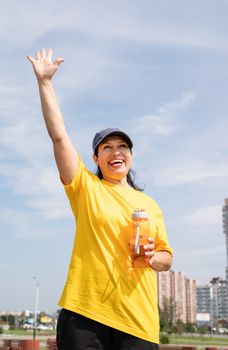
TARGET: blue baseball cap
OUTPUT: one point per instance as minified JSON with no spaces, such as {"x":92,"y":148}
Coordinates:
{"x":102,"y":134}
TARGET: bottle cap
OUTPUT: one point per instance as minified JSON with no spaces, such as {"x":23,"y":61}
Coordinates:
{"x":139,"y":214}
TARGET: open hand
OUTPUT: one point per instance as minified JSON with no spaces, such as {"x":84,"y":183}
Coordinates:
{"x":43,"y":66}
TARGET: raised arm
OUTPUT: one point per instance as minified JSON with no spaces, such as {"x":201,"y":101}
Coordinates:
{"x":65,"y":155}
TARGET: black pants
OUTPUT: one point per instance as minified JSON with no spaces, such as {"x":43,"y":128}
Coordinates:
{"x":76,"y":332}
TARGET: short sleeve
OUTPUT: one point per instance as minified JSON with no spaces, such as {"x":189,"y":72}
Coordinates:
{"x":75,"y":184}
{"x":161,"y":239}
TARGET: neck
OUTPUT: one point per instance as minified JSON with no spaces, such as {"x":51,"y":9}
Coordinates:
{"x":121,"y":182}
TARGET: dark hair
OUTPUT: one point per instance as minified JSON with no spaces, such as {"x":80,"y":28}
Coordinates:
{"x":130,"y":178}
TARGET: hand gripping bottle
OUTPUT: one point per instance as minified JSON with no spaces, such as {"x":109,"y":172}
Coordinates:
{"x":140,"y":231}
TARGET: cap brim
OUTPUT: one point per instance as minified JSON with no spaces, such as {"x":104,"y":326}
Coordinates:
{"x":113,"y":133}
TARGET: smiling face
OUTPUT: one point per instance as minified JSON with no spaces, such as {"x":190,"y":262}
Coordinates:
{"x":114,"y":159}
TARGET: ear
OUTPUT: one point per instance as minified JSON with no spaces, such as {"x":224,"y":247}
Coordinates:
{"x":95,"y":158}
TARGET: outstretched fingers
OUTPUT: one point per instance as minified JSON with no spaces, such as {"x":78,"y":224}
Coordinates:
{"x":31,"y":59}
{"x":49,"y":54}
{"x":38,"y":55}
{"x":41,"y":54}
{"x":58,"y":61}
{"x":43,"y":66}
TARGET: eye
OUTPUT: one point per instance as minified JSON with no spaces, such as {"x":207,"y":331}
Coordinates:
{"x":124,"y":145}
{"x":106,"y":147}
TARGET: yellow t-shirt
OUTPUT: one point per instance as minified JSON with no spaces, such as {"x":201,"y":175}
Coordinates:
{"x":101,"y":284}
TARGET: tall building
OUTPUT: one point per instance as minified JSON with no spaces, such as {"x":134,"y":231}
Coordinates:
{"x":219,"y":301}
{"x":203,"y":299}
{"x":225,"y":230}
{"x":164,"y":288}
{"x":178,"y":291}
{"x":191,"y":300}
{"x":179,"y":296}
{"x":212,"y":300}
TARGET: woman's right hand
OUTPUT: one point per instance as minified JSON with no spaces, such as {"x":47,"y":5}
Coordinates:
{"x":43,"y":66}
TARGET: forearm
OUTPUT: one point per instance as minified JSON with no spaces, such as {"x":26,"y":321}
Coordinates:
{"x":51,"y":110}
{"x":161,"y":261}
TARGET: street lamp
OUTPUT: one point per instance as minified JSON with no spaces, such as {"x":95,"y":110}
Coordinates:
{"x":36,"y":307}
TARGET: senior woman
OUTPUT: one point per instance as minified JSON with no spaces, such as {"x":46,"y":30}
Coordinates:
{"x":107,"y":303}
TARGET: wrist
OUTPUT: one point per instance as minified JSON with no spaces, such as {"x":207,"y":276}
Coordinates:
{"x":161,"y":261}
{"x":44,"y":81}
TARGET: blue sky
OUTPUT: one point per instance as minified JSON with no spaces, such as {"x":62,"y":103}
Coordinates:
{"x":157,"y":69}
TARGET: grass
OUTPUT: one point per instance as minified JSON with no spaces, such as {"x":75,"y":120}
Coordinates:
{"x":29,"y":332}
{"x":194,"y":340}
{"x":199,"y":340}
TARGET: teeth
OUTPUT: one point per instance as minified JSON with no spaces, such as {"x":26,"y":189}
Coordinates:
{"x":116,"y":161}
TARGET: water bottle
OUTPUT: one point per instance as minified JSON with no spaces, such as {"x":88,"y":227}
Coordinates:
{"x":140,"y":231}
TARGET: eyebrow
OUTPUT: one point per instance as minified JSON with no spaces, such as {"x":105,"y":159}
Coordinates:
{"x":120,"y":141}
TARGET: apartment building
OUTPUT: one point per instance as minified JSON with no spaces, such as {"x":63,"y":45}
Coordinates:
{"x":212,"y":299}
{"x":219,"y":301}
{"x":203,"y":299}
{"x":174,"y":287}
{"x":225,"y":230}
{"x":207,"y":303}
{"x":191,"y":300}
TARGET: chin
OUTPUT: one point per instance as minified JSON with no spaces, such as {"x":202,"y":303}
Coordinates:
{"x":119,"y":176}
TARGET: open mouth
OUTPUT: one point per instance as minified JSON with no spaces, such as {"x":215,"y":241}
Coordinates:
{"x":116,"y":163}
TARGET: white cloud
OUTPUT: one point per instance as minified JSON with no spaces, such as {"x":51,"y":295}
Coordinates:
{"x":13,"y":98}
{"x":202,"y":253}
{"x":185,"y":157}
{"x":165,"y":120}
{"x":23,"y":138}
{"x":51,"y":206}
{"x":146,"y":23}
{"x":83,"y":70}
{"x":33,"y":176}
{"x":39,"y":187}
{"x":205,"y":220}
{"x":25,"y":225}
{"x":199,"y":157}
{"x":185,"y":171}
{"x":200,"y":261}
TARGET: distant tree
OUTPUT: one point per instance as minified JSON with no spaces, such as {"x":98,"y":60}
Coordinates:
{"x":167,"y":315}
{"x":21,"y":319}
{"x":3,"y":318}
{"x":202,"y":330}
{"x":164,"y":325}
{"x":164,"y":338}
{"x":178,"y":327}
{"x":11,"y":321}
{"x":190,"y":327}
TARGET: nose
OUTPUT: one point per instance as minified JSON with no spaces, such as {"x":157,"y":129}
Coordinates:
{"x":116,"y":151}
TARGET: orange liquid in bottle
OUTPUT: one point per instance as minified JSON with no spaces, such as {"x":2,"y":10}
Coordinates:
{"x":140,"y":231}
